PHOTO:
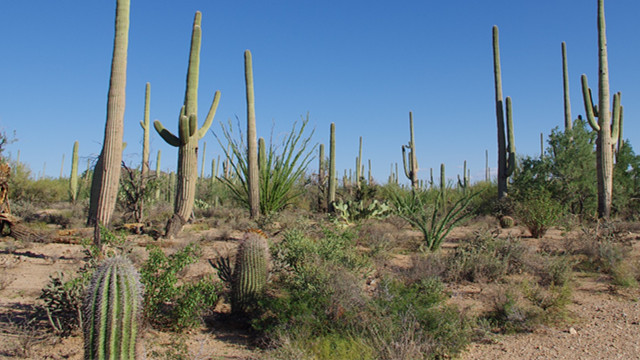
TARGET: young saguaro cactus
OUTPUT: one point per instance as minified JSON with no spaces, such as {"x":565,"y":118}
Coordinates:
{"x":73,"y":178}
{"x":506,"y":151}
{"x":331,"y":197}
{"x":111,"y":311}
{"x":251,"y":271}
{"x":188,"y":136}
{"x":606,"y":127}
{"x":410,"y":164}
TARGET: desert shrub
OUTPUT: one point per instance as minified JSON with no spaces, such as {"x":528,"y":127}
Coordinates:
{"x":626,"y":187}
{"x":428,"y":212}
{"x":41,"y":192}
{"x":538,"y":211}
{"x":169,"y":301}
{"x":486,"y":258}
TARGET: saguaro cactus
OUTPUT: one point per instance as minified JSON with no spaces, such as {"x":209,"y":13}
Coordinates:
{"x":506,"y":152}
{"x":188,"y":136}
{"x":73,"y":178}
{"x":410,"y":164}
{"x":565,"y":86}
{"x":111,"y":311}
{"x":359,"y":174}
{"x":145,"y":124}
{"x":252,"y":146}
{"x":158,"y":174}
{"x":607,"y":129}
{"x":331,"y":198}
{"x":251,"y":271}
{"x":204,"y":153}
{"x":463,"y":182}
{"x":106,"y":176}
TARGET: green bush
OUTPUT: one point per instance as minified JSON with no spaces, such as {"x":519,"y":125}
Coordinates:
{"x":538,"y":211}
{"x":170,"y":302}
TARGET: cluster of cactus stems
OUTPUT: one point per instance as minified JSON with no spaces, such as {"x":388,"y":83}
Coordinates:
{"x":106,"y":176}
{"x":506,"y":151}
{"x":608,"y":124}
{"x":331,"y":196}
{"x":112,"y":310}
{"x":73,"y":178}
{"x":410,"y":160}
{"x":188,"y":136}
{"x":251,"y":271}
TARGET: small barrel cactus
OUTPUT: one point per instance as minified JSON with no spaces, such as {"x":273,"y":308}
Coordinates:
{"x":111,"y":311}
{"x":251,"y":271}
{"x":507,"y":222}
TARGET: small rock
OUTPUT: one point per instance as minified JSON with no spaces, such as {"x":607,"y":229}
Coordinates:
{"x":572,"y":331}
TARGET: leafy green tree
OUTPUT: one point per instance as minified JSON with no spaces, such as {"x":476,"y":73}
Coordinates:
{"x":626,"y":180}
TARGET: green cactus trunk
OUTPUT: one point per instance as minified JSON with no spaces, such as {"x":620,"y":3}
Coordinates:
{"x":565,"y":85}
{"x":252,"y":147}
{"x":158,"y":174}
{"x":106,"y":176}
{"x":188,"y":136}
{"x":73,"y":178}
{"x":331,"y":198}
{"x":506,"y":152}
{"x":463,"y":183}
{"x":443,"y":186}
{"x":146,"y":127}
{"x":111,"y":311}
{"x":204,"y":153}
{"x":359,"y":165}
{"x":251,"y":272}
{"x":410,"y":164}
{"x":608,"y":125}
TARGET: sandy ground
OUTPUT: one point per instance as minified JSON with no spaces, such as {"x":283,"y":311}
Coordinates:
{"x":604,"y":321}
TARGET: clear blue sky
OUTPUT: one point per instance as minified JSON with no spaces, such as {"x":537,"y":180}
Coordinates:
{"x":361,"y":64}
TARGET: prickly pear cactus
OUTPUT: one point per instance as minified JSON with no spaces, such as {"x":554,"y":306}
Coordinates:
{"x":251,"y":271}
{"x":111,"y":311}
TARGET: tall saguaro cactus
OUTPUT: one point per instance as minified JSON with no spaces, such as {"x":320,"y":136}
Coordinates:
{"x":73,"y":178}
{"x":106,"y":175}
{"x":188,"y":136}
{"x":506,"y":152}
{"x":111,"y":311}
{"x":411,"y":164}
{"x":565,"y":85}
{"x":607,"y":129}
{"x":252,"y":139}
{"x":145,"y":124}
{"x":158,"y":157}
{"x":331,"y":197}
{"x":359,"y":165}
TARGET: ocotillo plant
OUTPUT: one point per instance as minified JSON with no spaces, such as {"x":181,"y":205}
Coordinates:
{"x":565,"y":85}
{"x":410,"y":161}
{"x":111,"y":311}
{"x":188,"y":136}
{"x":607,"y":129}
{"x":331,"y":198}
{"x":506,"y":152}
{"x":251,"y":271}
{"x":73,"y":178}
{"x":106,"y":176}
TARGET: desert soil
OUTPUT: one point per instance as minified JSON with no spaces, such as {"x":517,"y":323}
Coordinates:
{"x":604,"y":321}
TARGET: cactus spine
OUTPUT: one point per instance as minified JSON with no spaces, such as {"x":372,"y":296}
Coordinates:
{"x":410,"y":164}
{"x":607,"y":129}
{"x":506,"y":152}
{"x":251,"y":271}
{"x":188,"y":136}
{"x":73,"y":178}
{"x":111,"y":311}
{"x":106,"y":176}
{"x":565,"y":85}
{"x":331,"y":198}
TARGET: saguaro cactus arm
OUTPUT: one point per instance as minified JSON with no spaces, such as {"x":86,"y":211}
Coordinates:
{"x":511,"y":144}
{"x":589,"y":109}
